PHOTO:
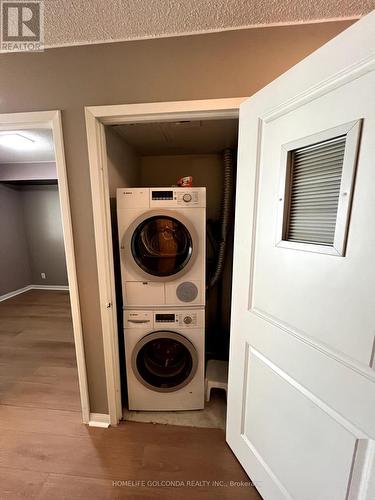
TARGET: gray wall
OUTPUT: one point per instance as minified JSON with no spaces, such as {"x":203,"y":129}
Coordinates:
{"x":44,"y":234}
{"x":15,"y":270}
{"x":31,"y":237}
{"x":227,"y":64}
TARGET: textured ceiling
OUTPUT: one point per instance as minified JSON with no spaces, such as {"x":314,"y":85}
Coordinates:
{"x":40,"y":150}
{"x":69,"y":22}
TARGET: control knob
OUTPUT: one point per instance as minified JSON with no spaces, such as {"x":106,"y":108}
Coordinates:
{"x":188,"y":320}
{"x":187,"y":197}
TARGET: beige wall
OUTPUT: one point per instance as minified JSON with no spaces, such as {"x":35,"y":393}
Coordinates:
{"x":122,"y":163}
{"x":207,"y":171}
{"x":123,"y":171}
{"x":229,"y":64}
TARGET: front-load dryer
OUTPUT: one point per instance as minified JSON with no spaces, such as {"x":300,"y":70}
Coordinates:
{"x":164,"y":352}
{"x":162,"y":236}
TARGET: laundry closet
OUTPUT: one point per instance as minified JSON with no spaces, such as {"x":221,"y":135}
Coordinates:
{"x":173,"y":303}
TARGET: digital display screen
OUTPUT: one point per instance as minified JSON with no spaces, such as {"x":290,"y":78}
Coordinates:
{"x":164,"y":317}
{"x":162,"y":195}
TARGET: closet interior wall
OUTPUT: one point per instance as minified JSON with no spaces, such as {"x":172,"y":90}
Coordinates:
{"x":129,"y":166}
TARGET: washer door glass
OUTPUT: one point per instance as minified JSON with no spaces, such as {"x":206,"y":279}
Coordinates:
{"x":164,"y":361}
{"x":161,"y":245}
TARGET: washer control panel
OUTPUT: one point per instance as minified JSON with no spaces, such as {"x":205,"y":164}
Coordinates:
{"x":188,"y":319}
{"x":184,"y":319}
{"x":164,"y":319}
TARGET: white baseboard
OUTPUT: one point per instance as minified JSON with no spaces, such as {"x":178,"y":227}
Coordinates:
{"x":99,"y":420}
{"x":14,"y":293}
{"x":49,"y":287}
{"x":9,"y":295}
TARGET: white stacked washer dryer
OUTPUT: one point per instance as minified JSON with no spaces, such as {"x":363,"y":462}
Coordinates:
{"x":162,"y":235}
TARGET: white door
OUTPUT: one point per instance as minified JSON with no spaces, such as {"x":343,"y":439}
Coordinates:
{"x":301,"y":405}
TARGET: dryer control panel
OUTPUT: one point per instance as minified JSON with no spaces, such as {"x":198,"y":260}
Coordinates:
{"x":169,"y":197}
{"x":178,"y":197}
{"x":164,"y":319}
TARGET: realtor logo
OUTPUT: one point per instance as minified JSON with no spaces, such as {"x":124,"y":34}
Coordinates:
{"x":21,"y":26}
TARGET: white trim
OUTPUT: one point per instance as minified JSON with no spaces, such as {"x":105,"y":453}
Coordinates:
{"x":9,"y":295}
{"x":209,"y":109}
{"x":99,"y":420}
{"x":50,"y":287}
{"x":27,"y":288}
{"x":52,"y":120}
{"x":103,"y":235}
{"x":26,"y":162}
{"x":96,"y":118}
{"x":324,"y":87}
{"x":207,"y":31}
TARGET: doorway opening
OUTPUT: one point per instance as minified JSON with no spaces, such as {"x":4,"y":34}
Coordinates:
{"x":42,"y":358}
{"x":151,"y":147}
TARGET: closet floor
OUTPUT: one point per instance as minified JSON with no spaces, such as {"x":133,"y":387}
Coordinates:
{"x":212,"y":417}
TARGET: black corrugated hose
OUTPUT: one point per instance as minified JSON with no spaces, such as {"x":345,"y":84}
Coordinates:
{"x":225,"y":216}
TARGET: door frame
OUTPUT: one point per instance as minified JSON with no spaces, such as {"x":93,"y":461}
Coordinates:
{"x":97,"y":117}
{"x":51,"y":120}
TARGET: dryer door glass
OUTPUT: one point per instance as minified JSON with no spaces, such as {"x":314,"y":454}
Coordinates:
{"x":165,"y":361}
{"x":161,"y":245}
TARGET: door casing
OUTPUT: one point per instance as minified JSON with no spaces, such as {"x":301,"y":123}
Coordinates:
{"x":97,"y":117}
{"x":51,"y":120}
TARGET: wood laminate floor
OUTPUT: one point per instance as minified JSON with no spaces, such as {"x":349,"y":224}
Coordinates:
{"x":47,"y":454}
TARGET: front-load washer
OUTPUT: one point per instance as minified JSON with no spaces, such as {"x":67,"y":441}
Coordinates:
{"x":162,"y":236}
{"x":164,"y":352}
